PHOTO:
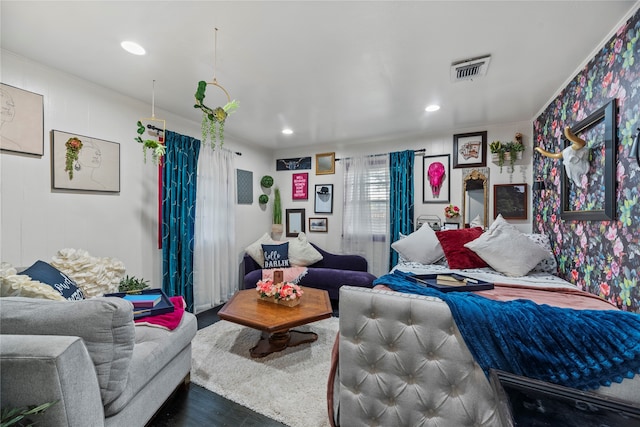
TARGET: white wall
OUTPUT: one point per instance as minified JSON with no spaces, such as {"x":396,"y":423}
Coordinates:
{"x":36,"y":221}
{"x":434,"y":145}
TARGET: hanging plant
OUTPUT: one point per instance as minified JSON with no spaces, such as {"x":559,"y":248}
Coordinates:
{"x":74,"y":145}
{"x":213,"y":119}
{"x":158,"y":149}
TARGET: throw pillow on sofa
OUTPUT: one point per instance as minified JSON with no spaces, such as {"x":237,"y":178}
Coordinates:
{"x":19,"y":285}
{"x":254,"y":250}
{"x":276,"y":256}
{"x":96,"y":276}
{"x":49,"y":275}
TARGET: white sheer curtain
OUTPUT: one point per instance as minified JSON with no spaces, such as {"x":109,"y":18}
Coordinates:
{"x":215,"y":271}
{"x":365,"y":226}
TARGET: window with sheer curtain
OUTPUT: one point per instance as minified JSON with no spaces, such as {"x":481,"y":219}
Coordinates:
{"x":366,"y":210}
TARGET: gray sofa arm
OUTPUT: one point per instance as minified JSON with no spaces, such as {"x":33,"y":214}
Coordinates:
{"x":37,"y":369}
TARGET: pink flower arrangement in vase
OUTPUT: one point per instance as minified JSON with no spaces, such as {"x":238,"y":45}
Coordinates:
{"x":284,"y":293}
{"x":452,"y":211}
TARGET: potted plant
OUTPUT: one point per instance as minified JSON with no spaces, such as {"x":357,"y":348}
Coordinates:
{"x":511,"y":151}
{"x":277,"y":228}
{"x":132,"y":284}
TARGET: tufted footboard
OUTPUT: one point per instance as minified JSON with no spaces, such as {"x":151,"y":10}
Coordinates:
{"x":402,"y":362}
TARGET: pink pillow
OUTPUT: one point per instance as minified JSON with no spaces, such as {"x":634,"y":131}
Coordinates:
{"x":459,"y":257}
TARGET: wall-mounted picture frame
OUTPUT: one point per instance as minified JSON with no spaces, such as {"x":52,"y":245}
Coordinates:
{"x":296,"y":163}
{"x":599,"y":130}
{"x":436,"y":184}
{"x":510,"y":200}
{"x":244,"y":187}
{"x":300,"y":186}
{"x":318,"y":225}
{"x":323,"y":198}
{"x":22,"y":127}
{"x":97,"y":167}
{"x":325,"y":163}
{"x":470,"y":150}
{"x":295,"y":222}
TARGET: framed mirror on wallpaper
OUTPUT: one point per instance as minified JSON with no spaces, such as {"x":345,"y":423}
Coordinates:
{"x":596,"y":200}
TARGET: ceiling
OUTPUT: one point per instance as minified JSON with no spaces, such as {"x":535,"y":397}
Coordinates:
{"x":336,"y":72}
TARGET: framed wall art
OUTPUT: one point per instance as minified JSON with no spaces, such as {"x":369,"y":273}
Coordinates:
{"x":319,"y":225}
{"x":295,"y":222}
{"x":244,"y":187}
{"x":323,"y":198}
{"x":325,"y":163}
{"x":95,"y":168}
{"x":297,"y":163}
{"x":596,"y":199}
{"x":300,"y":186}
{"x":470,"y":150}
{"x":22,"y":127}
{"x":436,"y":184}
{"x":510,"y":200}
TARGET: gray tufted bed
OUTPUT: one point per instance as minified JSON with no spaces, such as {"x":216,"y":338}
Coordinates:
{"x":400,"y":359}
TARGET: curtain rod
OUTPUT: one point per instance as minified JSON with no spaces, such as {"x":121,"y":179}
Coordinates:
{"x":416,"y":152}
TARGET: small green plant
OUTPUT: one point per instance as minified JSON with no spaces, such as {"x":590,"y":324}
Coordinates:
{"x":277,"y":207}
{"x":263,"y":199}
{"x":511,"y":147}
{"x":129,"y":284}
{"x":16,"y":416}
{"x":266,"y":181}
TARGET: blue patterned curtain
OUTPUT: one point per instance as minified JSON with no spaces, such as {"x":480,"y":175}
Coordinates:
{"x":400,"y":197}
{"x":179,"y":178}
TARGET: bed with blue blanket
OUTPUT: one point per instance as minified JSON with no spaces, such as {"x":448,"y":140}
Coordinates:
{"x":409,"y":354}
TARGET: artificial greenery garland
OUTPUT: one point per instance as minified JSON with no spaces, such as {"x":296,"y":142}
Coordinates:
{"x":212,"y":119}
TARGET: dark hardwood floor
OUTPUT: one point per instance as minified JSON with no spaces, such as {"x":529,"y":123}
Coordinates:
{"x":192,"y":405}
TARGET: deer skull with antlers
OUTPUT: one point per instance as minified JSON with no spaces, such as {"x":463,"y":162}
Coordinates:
{"x":575,"y":157}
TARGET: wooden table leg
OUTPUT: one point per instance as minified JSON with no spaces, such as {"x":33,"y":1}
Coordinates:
{"x":278,"y":341}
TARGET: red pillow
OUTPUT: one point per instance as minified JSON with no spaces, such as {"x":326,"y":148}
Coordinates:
{"x":457,"y":255}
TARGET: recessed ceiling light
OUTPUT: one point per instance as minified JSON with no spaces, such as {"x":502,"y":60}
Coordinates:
{"x":432,"y":107}
{"x":287,"y":131}
{"x":133,"y":47}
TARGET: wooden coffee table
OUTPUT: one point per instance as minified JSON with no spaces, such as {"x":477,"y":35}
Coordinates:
{"x":275,"y":321}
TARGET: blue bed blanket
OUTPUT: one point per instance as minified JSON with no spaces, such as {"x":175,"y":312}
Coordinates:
{"x":582,"y":349}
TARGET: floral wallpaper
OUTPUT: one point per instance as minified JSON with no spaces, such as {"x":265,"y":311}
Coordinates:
{"x":602,"y":257}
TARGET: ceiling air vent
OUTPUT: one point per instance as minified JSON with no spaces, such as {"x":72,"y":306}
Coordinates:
{"x":470,"y":69}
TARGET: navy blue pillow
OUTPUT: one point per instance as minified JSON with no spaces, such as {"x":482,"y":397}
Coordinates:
{"x":49,"y":275}
{"x":276,"y":256}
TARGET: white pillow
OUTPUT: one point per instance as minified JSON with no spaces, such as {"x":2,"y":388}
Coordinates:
{"x":506,"y":249}
{"x":301,"y":253}
{"x":421,"y":246}
{"x":476,"y":222}
{"x":254,"y":250}
{"x":549,"y":264}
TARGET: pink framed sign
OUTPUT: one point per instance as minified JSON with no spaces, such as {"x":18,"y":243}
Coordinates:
{"x":300,"y":189}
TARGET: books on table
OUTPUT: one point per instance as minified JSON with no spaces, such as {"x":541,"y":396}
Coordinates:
{"x":144,"y":300}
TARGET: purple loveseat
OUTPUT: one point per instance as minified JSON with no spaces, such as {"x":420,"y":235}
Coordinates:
{"x":331,"y":272}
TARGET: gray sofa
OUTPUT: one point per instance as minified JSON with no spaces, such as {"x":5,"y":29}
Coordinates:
{"x":89,"y":357}
{"x":403,"y":362}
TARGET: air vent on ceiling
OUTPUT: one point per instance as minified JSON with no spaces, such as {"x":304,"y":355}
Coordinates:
{"x":470,"y":69}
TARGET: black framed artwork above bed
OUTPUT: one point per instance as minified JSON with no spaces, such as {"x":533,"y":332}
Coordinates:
{"x":510,"y":200}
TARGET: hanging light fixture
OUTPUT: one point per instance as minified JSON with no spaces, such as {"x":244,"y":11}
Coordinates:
{"x":213,"y":119}
{"x":156,"y":146}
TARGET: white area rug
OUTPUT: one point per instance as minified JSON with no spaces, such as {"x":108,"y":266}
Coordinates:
{"x":289,"y":386}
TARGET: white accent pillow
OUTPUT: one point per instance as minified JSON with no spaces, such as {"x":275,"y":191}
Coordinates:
{"x":254,"y":250}
{"x":476,"y":222}
{"x":420,"y":246}
{"x":506,"y":249}
{"x":549,"y":264}
{"x":301,"y":253}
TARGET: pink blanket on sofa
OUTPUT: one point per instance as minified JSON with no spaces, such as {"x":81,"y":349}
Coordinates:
{"x":291,"y":274}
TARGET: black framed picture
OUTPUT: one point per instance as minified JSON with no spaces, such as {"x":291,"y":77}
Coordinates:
{"x":323,"y":198}
{"x":319,"y":225}
{"x":510,"y":200}
{"x":470,"y":150}
{"x":436,"y":182}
